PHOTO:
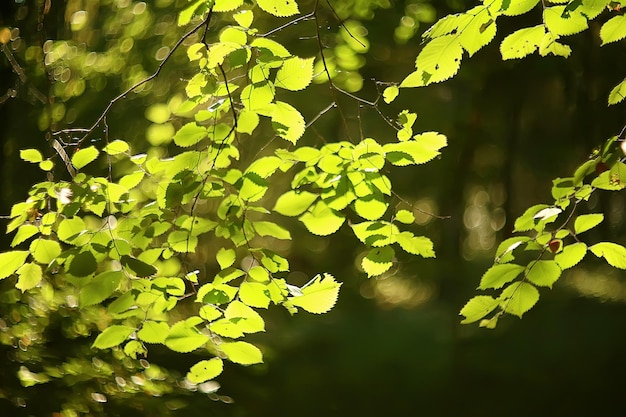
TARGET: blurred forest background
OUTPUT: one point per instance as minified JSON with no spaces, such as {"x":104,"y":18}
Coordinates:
{"x":392,"y":346}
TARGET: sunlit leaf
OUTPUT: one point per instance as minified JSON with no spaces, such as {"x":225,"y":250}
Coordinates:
{"x":254,"y":294}
{"x":499,"y":275}
{"x":116,"y":147}
{"x":287,"y":122}
{"x":100,"y":288}
{"x":184,"y":337}
{"x":24,"y":232}
{"x":586,"y":222}
{"x":614,"y":254}
{"x":390,"y":93}
{"x":189,"y":135}
{"x":153,"y":331}
{"x":29,"y":276}
{"x":84,"y":157}
{"x":405,"y":216}
{"x":518,"y":298}
{"x":378,"y":261}
{"x":440,"y":59}
{"x":31,"y":155}
{"x":543,"y":273}
{"x":417,"y":245}
{"x":478,"y":307}
{"x":613,"y":30}
{"x":618,"y":93}
{"x":242,"y":353}
{"x":560,"y":23}
{"x":226,"y":257}
{"x":319,"y":296}
{"x":44,"y":250}
{"x":112,"y":336}
{"x":321,"y":220}
{"x":205,"y":370}
{"x":522,"y":42}
{"x":248,"y":320}
{"x":571,"y":255}
{"x":294,"y":203}
{"x":518,"y":7}
{"x":280,"y":8}
{"x":295,"y":73}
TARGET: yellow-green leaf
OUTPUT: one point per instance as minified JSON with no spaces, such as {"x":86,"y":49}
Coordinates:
{"x":280,"y":8}
{"x":31,"y":155}
{"x":44,"y":250}
{"x":295,"y":73}
{"x":478,"y":307}
{"x":321,"y":220}
{"x":242,"y":353}
{"x":319,"y":296}
{"x":378,"y":261}
{"x":29,"y":275}
{"x":112,"y":336}
{"x":518,"y":298}
{"x":205,"y":370}
{"x":84,"y":157}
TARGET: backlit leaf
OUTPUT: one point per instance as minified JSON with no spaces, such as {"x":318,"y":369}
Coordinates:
{"x":254,"y":294}
{"x":613,"y":30}
{"x":478,"y":307}
{"x":226,"y":257}
{"x":153,"y":332}
{"x":405,"y":216}
{"x":522,"y":42}
{"x":322,"y":220}
{"x":184,"y":337}
{"x":265,"y":228}
{"x":24,"y":232}
{"x":586,"y":222}
{"x":205,"y":370}
{"x":295,"y":73}
{"x":31,"y":155}
{"x":518,"y":298}
{"x":417,"y":245}
{"x":84,"y":157}
{"x":72,"y":230}
{"x":390,"y":93}
{"x":571,"y":255}
{"x":241,"y":352}
{"x":44,"y":250}
{"x":378,"y":261}
{"x":499,"y":275}
{"x":543,"y":273}
{"x":112,"y":336}
{"x":287,"y":122}
{"x":614,"y":254}
{"x":518,"y":7}
{"x":560,"y":23}
{"x":100,"y":288}
{"x":294,"y":203}
{"x":319,"y":296}
{"x":189,"y":135}
{"x":116,"y":147}
{"x":618,"y":93}
{"x":29,"y":276}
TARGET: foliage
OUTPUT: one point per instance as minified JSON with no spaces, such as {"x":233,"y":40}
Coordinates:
{"x":178,"y":244}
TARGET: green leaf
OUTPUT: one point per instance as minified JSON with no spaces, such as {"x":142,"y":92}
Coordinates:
{"x":560,"y":23}
{"x":378,"y":261}
{"x":31,"y":155}
{"x":518,"y":7}
{"x":526,"y":221}
{"x":317,"y":297}
{"x":440,"y":59}
{"x":518,"y":298}
{"x":321,"y":220}
{"x":25,"y":232}
{"x":205,"y":370}
{"x":543,"y":273}
{"x":265,"y":228}
{"x":287,"y":122}
{"x":247,"y":121}
{"x":549,"y":45}
{"x":417,"y":245}
{"x":500,"y":274}
{"x":390,"y":93}
{"x":405,"y":216}
{"x":618,"y":93}
{"x":82,"y":264}
{"x":138,"y":268}
{"x":187,"y":13}
{"x":478,"y":307}
{"x":522,"y":42}
{"x":116,"y":147}
{"x":73,"y":231}
{"x":280,"y":8}
{"x":241,"y":352}
{"x":100,"y":288}
{"x":226,"y":257}
{"x":29,"y":276}
{"x":153,"y":332}
{"x":112,"y":336}
{"x":226,"y":5}
{"x":478,"y":31}
{"x":189,"y":135}
{"x":504,"y":253}
{"x":84,"y":157}
{"x":371,"y":207}
{"x":614,"y":254}
{"x":248,"y":320}
{"x":258,"y":97}
{"x":294,"y":203}
{"x":254,"y":294}
{"x":412,"y":151}
{"x":379,"y":234}
{"x":613,"y":30}
{"x":586,"y":222}
{"x":182,"y":241}
{"x":184,"y":337}
{"x":295,"y":74}
{"x":46,"y":165}
{"x":571,"y":255}
{"x":44,"y":250}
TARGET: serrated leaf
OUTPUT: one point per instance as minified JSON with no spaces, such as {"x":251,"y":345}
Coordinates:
{"x":72,"y":230}
{"x":518,"y":298}
{"x":187,"y":13}
{"x":287,"y":122}
{"x":478,"y":31}
{"x":153,"y":332}
{"x":84,"y":157}
{"x":321,"y":220}
{"x":294,"y":203}
{"x":522,"y":42}
{"x":478,"y":307}
{"x":614,"y":254}
{"x":586,"y":222}
{"x":226,"y":5}
{"x":189,"y":135}
{"x":100,"y":288}
{"x":184,"y":337}
{"x":25,"y":232}
{"x":504,"y":252}
{"x":618,"y":93}
{"x":518,"y":7}
{"x":543,"y":273}
{"x":265,"y":228}
{"x":377,"y":233}
{"x":182,"y":241}
{"x":571,"y":255}
{"x":549,"y":45}
{"x":248,"y":320}
{"x":390,"y":93}
{"x":136,"y":267}
{"x":499,"y":275}
{"x":440,"y":59}
{"x":44,"y":250}
{"x":31,"y":155}
{"x":205,"y":370}
{"x":11,"y":261}
{"x":226,"y":257}
{"x":405,"y":216}
{"x":242,"y":353}
{"x":613,"y":30}
{"x":526,"y":221}
{"x":417,"y":245}
{"x":560,"y":23}
{"x":378,"y":261}
{"x":29,"y":276}
{"x":254,"y":294}
{"x":116,"y":147}
{"x":319,"y":296}
{"x":112,"y":336}
{"x":371,"y":207}
{"x":295,"y":74}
